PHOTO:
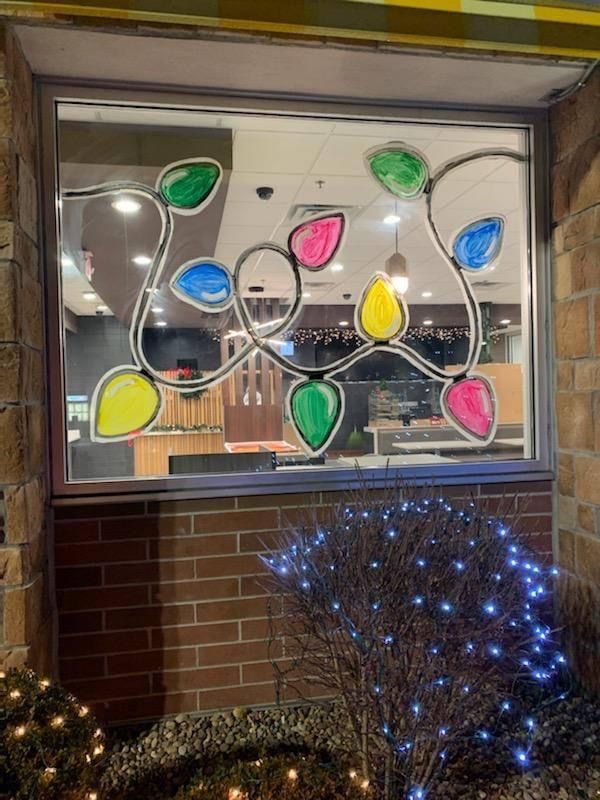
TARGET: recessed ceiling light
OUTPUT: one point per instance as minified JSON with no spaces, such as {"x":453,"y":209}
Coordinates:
{"x":343,"y":323}
{"x":337,"y":267}
{"x":426,"y":294}
{"x":101,"y":308}
{"x":67,"y":261}
{"x":89,"y":296}
{"x":391,"y":219}
{"x":158,"y":310}
{"x":427,"y":322}
{"x":160,"y":324}
{"x":306,"y":294}
{"x":504,"y":322}
{"x":142,"y":261}
{"x":151,"y":291}
{"x":126,"y":205}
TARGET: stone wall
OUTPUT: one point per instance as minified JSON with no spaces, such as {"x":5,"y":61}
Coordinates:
{"x":575,"y":129}
{"x":25,"y":618}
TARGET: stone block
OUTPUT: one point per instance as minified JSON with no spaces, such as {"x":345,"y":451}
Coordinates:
{"x":567,"y":512}
{"x":32,"y":324}
{"x":562,"y":285}
{"x":12,"y":444}
{"x":585,"y":265}
{"x":13,"y":657}
{"x":10,"y":370}
{"x":574,"y":420}
{"x":36,"y":439}
{"x":566,"y":474}
{"x":8,"y":177}
{"x":597,"y":423}
{"x":564,"y":375}
{"x":587,"y":374}
{"x":584,"y":176}
{"x":579,"y":614}
{"x":32,"y":376}
{"x":580,"y":229}
{"x":560,"y":191}
{"x":27,"y":199}
{"x":11,"y":566}
{"x":9,"y":303}
{"x":24,"y":508}
{"x":586,"y":517}
{"x":558,"y":240}
{"x":596,"y":324}
{"x":566,"y":550}
{"x":6,"y":117}
{"x":575,"y":119}
{"x":572,"y":328}
{"x":587,"y":558}
{"x":16,"y":246}
{"x":587,"y":479}
{"x":23,"y":611}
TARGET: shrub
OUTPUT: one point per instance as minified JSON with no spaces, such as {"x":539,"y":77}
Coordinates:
{"x":420,"y":615}
{"x":280,"y":777}
{"x":50,"y":746}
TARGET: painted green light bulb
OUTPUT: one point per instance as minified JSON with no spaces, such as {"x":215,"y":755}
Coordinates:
{"x":186,"y":186}
{"x":400,"y":172}
{"x":315,"y":407}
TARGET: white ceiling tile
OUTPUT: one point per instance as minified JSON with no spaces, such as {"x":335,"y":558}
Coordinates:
{"x":256,"y":213}
{"x":288,"y":153}
{"x":243,"y":185}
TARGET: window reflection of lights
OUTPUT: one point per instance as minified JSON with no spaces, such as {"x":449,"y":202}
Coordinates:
{"x":391,"y":219}
{"x":89,"y":296}
{"x":142,"y":261}
{"x":232,"y":334}
{"x":337,"y":267}
{"x":343,"y":323}
{"x":126,"y":205}
{"x":151,"y":291}
{"x":426,"y":294}
{"x":504,"y":322}
{"x":102,"y":308}
{"x":160,"y":324}
{"x":306,"y":294}
{"x":157,"y":310}
{"x":67,"y":262}
{"x":427,"y":322}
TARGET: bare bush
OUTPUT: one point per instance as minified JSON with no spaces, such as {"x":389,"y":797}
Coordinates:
{"x":422,"y":616}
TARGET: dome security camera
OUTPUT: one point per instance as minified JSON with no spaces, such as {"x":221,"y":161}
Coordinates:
{"x":347,"y":295}
{"x":265,"y":192}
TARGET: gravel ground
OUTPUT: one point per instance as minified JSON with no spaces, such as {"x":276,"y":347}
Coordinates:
{"x":565,"y":760}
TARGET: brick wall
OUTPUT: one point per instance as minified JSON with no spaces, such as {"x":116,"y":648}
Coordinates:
{"x":25,"y":626}
{"x":160,"y":609}
{"x":575,"y":128}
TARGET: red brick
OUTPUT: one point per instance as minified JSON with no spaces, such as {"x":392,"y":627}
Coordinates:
{"x":251,"y":587}
{"x":147,"y":708}
{"x":99,"y":510}
{"x":258,"y":673}
{"x":108,"y":688}
{"x":184,"y":591}
{"x":152,"y":661}
{"x":540,"y":543}
{"x":181,"y":680}
{"x":536,"y":523}
{"x":261,"y":542}
{"x":76,"y":577}
{"x":236,"y":653}
{"x":191,"y":506}
{"x":535,"y":504}
{"x":74,"y":532}
{"x":102,"y":597}
{"x":119,"y":642}
{"x":280,"y":500}
{"x":83,"y":622}
{"x":78,"y":668}
{"x":255,"y":629}
{"x":236,"y":521}
{"x":149,"y":617}
{"x":148,"y":572}
{"x":183,"y":635}
{"x":221,"y":566}
{"x":144,"y":527}
{"x":194,"y":546}
{"x":306,"y":517}
{"x":256,"y":694}
{"x":230,"y":609}
{"x":100,"y":553}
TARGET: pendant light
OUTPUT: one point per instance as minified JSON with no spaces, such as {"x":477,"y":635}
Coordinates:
{"x":396,"y":266}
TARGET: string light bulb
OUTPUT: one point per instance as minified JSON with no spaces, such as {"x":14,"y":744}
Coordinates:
{"x":292,"y":774}
{"x":57,"y":722}
{"x":20,"y":731}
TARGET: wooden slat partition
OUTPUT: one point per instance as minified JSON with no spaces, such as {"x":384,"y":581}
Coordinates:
{"x":190,"y":411}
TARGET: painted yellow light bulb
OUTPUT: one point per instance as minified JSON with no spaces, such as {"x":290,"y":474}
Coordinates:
{"x":381,"y":312}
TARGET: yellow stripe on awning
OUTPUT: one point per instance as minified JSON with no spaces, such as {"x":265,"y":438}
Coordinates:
{"x":511,"y":26}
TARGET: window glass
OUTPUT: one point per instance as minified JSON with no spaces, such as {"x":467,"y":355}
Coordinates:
{"x":256,"y":292}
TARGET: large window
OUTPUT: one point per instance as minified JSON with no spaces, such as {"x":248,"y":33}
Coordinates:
{"x":247,"y":292}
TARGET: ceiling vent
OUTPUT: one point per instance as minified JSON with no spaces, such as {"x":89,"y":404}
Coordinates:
{"x":302,"y":211}
{"x":321,"y":285}
{"x":488,"y":284}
